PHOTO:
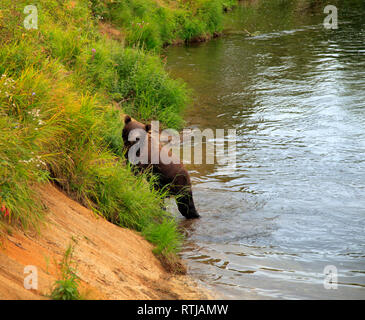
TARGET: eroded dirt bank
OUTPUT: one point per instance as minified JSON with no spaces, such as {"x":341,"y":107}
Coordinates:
{"x":113,"y":263}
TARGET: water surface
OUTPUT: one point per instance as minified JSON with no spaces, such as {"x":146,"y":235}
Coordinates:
{"x":295,"y":93}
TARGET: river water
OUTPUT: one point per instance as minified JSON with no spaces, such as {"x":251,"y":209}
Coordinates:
{"x":295,"y":93}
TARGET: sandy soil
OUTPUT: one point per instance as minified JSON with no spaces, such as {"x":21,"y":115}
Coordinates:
{"x":112,"y":262}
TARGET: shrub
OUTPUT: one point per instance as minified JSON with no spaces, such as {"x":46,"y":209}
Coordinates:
{"x":67,"y":287}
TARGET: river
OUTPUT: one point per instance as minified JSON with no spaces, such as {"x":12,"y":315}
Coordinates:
{"x":295,"y":93}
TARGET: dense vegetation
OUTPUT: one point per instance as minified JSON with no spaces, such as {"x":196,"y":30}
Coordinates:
{"x":64,"y":88}
{"x":152,"y":24}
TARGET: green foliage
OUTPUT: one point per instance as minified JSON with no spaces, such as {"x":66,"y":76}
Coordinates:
{"x":137,"y":81}
{"x":67,"y":287}
{"x":63,"y":91}
{"x":21,"y":160}
{"x":53,"y":133}
{"x":165,"y":236}
{"x":150,"y":24}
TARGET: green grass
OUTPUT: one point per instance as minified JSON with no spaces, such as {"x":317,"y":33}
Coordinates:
{"x":135,"y":80}
{"x":58,"y":124}
{"x":63,"y":91}
{"x":67,"y":287}
{"x":151,"y":24}
{"x":165,"y":236}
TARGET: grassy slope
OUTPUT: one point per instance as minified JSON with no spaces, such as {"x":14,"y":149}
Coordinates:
{"x":110,"y":262}
{"x":59,"y":88}
{"x":152,"y":24}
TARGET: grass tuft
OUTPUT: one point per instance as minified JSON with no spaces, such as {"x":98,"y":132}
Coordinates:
{"x":67,"y":287}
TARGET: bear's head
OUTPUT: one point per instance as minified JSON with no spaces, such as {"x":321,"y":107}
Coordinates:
{"x":133,"y":131}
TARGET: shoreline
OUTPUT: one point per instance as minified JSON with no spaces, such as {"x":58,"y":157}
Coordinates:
{"x":86,"y":68}
{"x":111,"y":262}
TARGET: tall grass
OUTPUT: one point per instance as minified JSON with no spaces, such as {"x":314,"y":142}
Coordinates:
{"x":57,"y":122}
{"x":67,"y":286}
{"x":63,"y":91}
{"x":135,"y":80}
{"x":153,"y":24}
{"x":58,"y":135}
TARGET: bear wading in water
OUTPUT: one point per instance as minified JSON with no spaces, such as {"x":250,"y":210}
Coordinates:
{"x":172,"y":175}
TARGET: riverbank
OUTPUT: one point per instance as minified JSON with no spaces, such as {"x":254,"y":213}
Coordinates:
{"x":112,"y":262}
{"x":65,"y":84}
{"x":153,"y":24}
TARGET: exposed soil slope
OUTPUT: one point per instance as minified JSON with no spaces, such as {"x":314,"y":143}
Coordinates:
{"x":112,"y":262}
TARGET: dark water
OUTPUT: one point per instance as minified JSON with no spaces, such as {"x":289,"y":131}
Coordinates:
{"x":295,"y":93}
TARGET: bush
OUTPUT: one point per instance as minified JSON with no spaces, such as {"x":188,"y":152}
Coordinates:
{"x":67,"y":287}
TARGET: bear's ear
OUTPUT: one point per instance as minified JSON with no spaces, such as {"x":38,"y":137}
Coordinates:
{"x":127,"y":119}
{"x":147,"y":127}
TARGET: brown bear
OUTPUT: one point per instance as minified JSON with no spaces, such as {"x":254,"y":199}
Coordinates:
{"x":172,"y":176}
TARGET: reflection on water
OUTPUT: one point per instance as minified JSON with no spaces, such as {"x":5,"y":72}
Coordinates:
{"x":295,"y":93}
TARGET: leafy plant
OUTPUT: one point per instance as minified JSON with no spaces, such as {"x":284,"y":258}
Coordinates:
{"x":67,"y":287}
